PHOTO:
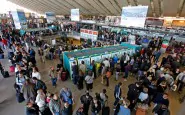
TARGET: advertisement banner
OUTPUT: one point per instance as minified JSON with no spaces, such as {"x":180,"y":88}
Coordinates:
{"x":50,"y":16}
{"x":89,"y":34}
{"x":97,"y":58}
{"x":75,"y":15}
{"x":16,"y":19}
{"x":22,"y":17}
{"x":134,"y":16}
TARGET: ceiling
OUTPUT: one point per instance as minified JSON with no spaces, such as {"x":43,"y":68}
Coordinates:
{"x":157,"y":8}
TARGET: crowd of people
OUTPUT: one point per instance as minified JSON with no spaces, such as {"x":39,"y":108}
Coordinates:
{"x":153,"y":82}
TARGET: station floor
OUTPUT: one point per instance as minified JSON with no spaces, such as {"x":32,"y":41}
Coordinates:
{"x":9,"y":105}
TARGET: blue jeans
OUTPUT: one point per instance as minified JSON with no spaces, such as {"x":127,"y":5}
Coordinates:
{"x":54,"y":81}
{"x":57,"y":113}
{"x":116,"y":101}
{"x":75,"y":79}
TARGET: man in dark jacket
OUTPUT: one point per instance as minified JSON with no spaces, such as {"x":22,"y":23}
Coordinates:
{"x":67,"y":110}
{"x":132,"y":94}
{"x":75,"y":72}
{"x":86,"y":101}
{"x":39,"y":84}
{"x":95,"y":107}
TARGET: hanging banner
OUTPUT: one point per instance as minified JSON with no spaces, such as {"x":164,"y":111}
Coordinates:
{"x":16,"y":19}
{"x":134,"y":16}
{"x":50,"y":16}
{"x":75,"y":15}
{"x":89,"y":34}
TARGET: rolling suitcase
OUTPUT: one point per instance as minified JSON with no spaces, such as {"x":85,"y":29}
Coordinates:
{"x":64,"y":76}
{"x":19,"y":97}
{"x":1,"y":56}
{"x":6,"y":74}
{"x":106,"y":111}
{"x":12,"y":69}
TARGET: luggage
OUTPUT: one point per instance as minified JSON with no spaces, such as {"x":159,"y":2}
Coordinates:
{"x":59,"y":66}
{"x":106,"y":111}
{"x":64,"y":76}
{"x":12,"y":69}
{"x":19,"y":97}
{"x":6,"y":74}
{"x":1,"y":56}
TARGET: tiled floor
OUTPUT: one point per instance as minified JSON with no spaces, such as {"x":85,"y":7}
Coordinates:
{"x":9,"y":106}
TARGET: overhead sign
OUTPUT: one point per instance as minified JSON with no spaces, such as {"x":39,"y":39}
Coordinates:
{"x":75,"y":15}
{"x":134,"y":16}
{"x":50,"y":16}
{"x":89,"y":34}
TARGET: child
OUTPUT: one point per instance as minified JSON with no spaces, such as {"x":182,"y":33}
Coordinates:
{"x":49,"y":96}
{"x":108,"y":75}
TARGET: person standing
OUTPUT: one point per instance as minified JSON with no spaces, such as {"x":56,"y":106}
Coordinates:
{"x":41,"y":100}
{"x":122,"y":109}
{"x":95,"y":107}
{"x":89,"y":80}
{"x":41,"y":54}
{"x":83,"y":67}
{"x":93,"y":68}
{"x":36,"y":73}
{"x":180,"y":81}
{"x":108,"y":75}
{"x":132,"y":94}
{"x":75,"y":72}
{"x":53,"y":76}
{"x":28,"y":91}
{"x":80,"y":80}
{"x":117,"y":93}
{"x":66,"y":109}
{"x":86,"y":101}
{"x":103,"y":98}
{"x":55,"y":105}
{"x":39,"y":84}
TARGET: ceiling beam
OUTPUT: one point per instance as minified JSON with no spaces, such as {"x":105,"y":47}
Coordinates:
{"x":100,"y":6}
{"x":116,"y":2}
{"x":82,"y":6}
{"x":136,"y":2}
{"x":92,"y":6}
{"x":161,"y":6}
{"x":110,"y":1}
{"x":153,"y":8}
{"x":66,"y":1}
{"x":49,"y":5}
{"x":129,"y":2}
{"x":181,"y":6}
{"x":105,"y":7}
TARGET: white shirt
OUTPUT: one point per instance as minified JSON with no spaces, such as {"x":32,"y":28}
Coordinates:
{"x":89,"y":79}
{"x":143,"y":96}
{"x":106,"y":63}
{"x":40,"y":101}
{"x":36,"y":74}
{"x":103,"y":97}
